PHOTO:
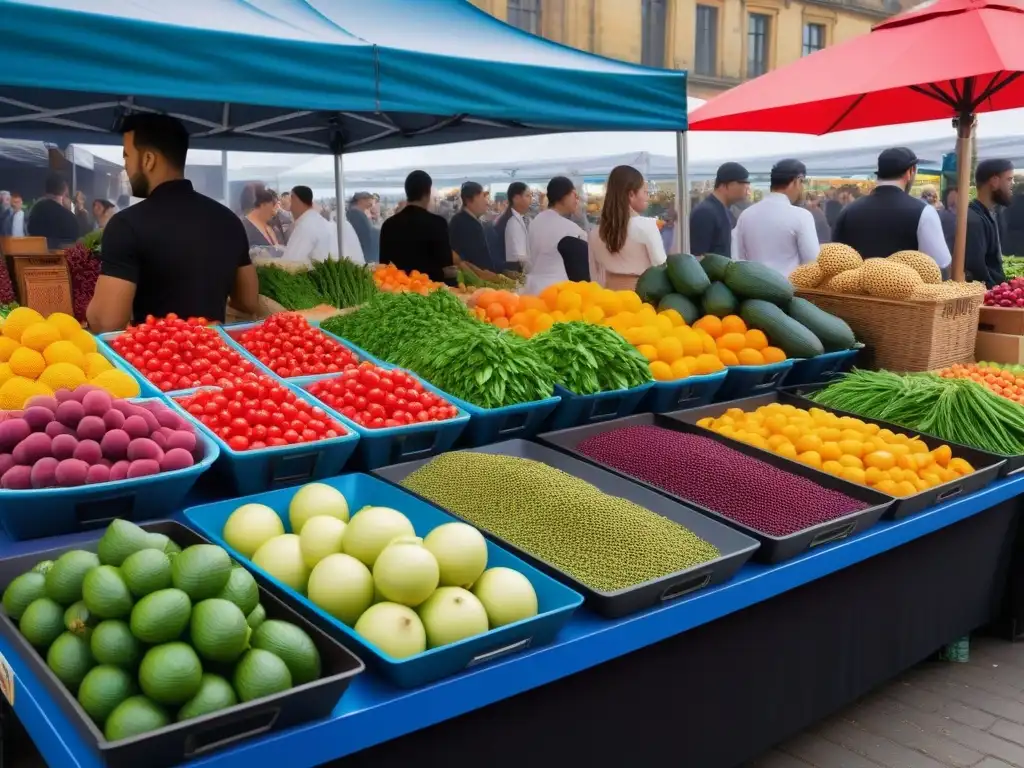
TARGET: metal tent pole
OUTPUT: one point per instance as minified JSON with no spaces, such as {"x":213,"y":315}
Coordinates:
{"x":682,"y":239}
{"x":225,"y":184}
{"x":339,"y":194}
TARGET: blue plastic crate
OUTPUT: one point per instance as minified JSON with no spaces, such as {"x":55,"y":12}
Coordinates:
{"x":575,"y":410}
{"x":691,"y":392}
{"x":267,"y":468}
{"x":146,"y":387}
{"x":36,"y":513}
{"x":225,"y":332}
{"x":750,"y":380}
{"x":556,"y":602}
{"x":391,"y":445}
{"x":816,"y":370}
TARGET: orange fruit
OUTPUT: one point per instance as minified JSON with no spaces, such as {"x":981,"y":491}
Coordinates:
{"x":707,"y":363}
{"x":854,"y":475}
{"x":500,"y":322}
{"x":550,"y":297}
{"x":809,"y":443}
{"x":522,"y":330}
{"x":830,"y":451}
{"x":773,"y":355}
{"x":486,"y":296}
{"x":733,"y":324}
{"x":728,"y":357}
{"x":669,"y":349}
{"x":543,"y":321}
{"x":756,"y":339}
{"x":710,"y":325}
{"x":649,"y":351}
{"x":494,"y":310}
{"x":750,"y":357}
{"x":673,"y":316}
{"x":709,"y":345}
{"x":733,"y":341}
{"x":680,"y":369}
{"x":810,"y":458}
{"x":661,"y":371}
{"x":569,"y":300}
{"x":832,"y":467}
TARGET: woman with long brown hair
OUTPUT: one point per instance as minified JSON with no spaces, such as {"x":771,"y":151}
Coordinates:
{"x":626,"y":242}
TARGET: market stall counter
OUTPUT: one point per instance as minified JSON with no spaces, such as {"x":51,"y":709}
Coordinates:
{"x":713,"y":678}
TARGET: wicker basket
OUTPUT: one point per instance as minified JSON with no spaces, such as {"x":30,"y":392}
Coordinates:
{"x":907,"y":335}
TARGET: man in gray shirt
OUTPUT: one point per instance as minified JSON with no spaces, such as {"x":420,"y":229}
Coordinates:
{"x":359,"y":218}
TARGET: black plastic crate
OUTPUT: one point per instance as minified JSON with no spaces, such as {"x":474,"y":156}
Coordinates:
{"x":735,"y":547}
{"x":1011,"y":464}
{"x":774,"y":549}
{"x":192,"y":739}
{"x":987,"y":465}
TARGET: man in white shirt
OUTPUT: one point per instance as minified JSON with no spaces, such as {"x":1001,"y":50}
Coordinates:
{"x":777,"y":232}
{"x":511,"y":226}
{"x":314,"y":238}
{"x":544,"y":265}
{"x":18,"y":217}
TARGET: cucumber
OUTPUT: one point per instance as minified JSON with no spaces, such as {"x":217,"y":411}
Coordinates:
{"x":682,"y":305}
{"x":719,"y":301}
{"x":834,"y":333}
{"x":653,"y":285}
{"x":714,"y":265}
{"x":686,"y":275}
{"x":782,"y":330}
{"x":750,"y":280}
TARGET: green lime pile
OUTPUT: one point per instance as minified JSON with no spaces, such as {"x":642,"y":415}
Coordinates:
{"x":145,"y":633}
{"x":603,"y":541}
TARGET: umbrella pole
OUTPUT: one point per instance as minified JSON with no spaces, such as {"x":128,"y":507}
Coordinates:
{"x":965,"y":124}
{"x":339,"y":192}
{"x":682,"y":237}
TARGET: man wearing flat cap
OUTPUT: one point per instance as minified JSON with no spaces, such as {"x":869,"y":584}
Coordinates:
{"x":889,"y":219}
{"x":710,"y":220}
{"x":358,"y":215}
{"x":777,"y":232}
{"x":983,"y":255}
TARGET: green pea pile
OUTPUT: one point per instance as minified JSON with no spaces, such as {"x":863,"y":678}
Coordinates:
{"x":604,"y":542}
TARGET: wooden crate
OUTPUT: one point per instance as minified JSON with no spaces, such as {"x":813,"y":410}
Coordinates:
{"x":43,"y":283}
{"x":1002,"y":320}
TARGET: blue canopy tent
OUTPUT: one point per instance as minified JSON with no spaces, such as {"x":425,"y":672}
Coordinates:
{"x":321,"y":76}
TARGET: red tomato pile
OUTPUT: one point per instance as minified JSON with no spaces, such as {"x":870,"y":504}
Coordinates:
{"x":289,"y":346}
{"x":375,"y":398}
{"x":256,"y":412}
{"x":175,"y":353}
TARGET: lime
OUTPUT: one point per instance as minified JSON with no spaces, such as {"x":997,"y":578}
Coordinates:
{"x":102,"y":689}
{"x":145,"y":571}
{"x":201,"y":571}
{"x":70,"y":659}
{"x":23,"y":590}
{"x":64,"y":580}
{"x":105,"y":593}
{"x":214,"y":693}
{"x":241,"y":590}
{"x":218,"y":630}
{"x":260,"y":673}
{"x":161,"y":616}
{"x":42,"y":622}
{"x":292,"y":645}
{"x":134,"y":716}
{"x":170,"y":673}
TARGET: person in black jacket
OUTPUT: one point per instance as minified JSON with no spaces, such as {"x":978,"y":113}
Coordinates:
{"x":466,"y":231}
{"x":415,"y":238}
{"x":983,"y":254}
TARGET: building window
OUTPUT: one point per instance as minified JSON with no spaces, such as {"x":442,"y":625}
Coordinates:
{"x":653,"y":20}
{"x":814,"y":38}
{"x":525,"y":15}
{"x":758,"y":31}
{"x":706,"y":53}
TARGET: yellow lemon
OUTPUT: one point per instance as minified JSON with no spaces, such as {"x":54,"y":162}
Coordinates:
{"x":95,"y":364}
{"x":661,"y":371}
{"x":15,"y":391}
{"x":630,"y":301}
{"x":62,"y":376}
{"x":64,"y":351}
{"x":27,"y":362}
{"x":663,"y":324}
{"x":673,"y":316}
{"x":39,"y":336}
{"x":7,"y":347}
{"x":20,"y":319}
{"x":5,"y":373}
{"x":646,"y":334}
{"x":65,"y":323}
{"x":680,"y":370}
{"x":83,"y":340}
{"x":669,"y":349}
{"x":593,"y":314}
{"x":118,"y":383}
{"x":649,"y":351}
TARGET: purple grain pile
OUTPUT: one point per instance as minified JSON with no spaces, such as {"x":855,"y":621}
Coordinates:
{"x":742,"y":488}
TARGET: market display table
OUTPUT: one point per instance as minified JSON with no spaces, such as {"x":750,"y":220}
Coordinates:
{"x":704,"y":682}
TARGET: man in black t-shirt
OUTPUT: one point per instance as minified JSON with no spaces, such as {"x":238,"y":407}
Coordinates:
{"x":467,"y":234}
{"x":415,"y":238}
{"x":177,"y":250}
{"x":50,"y":219}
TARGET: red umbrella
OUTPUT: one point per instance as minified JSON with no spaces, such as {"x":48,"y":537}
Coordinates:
{"x":947,"y":58}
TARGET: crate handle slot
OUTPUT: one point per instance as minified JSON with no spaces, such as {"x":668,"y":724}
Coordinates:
{"x":826,"y":537}
{"x":514,"y":422}
{"x":483,"y":658}
{"x":684,"y":587}
{"x":956,"y":490}
{"x":422,"y":445}
{"x":286,"y":470}
{"x":95,"y":514}
{"x":606,"y":408}
{"x":223,"y":734}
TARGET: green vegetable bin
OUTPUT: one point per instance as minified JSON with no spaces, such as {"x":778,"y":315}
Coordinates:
{"x":574,"y":409}
{"x":690,"y":392}
{"x":813,"y":370}
{"x":750,"y":380}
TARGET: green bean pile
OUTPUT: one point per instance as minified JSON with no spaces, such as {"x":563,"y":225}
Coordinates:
{"x":590,"y":358}
{"x":603,"y":541}
{"x":957,"y":410}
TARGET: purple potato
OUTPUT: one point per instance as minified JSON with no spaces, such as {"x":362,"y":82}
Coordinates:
{"x":84,"y":389}
{"x":17,"y":478}
{"x":55,"y":428}
{"x":70,"y":412}
{"x":168,"y":418}
{"x":151,"y":422}
{"x":159,"y":439}
{"x":44,"y":473}
{"x":124,"y":407}
{"x":119,"y":471}
{"x":136,"y":426}
{"x":105,"y":463}
{"x":113,"y":419}
{"x":88,"y":451}
{"x":72,"y":472}
{"x":97,"y":474}
{"x":12,"y":432}
{"x":63,"y":447}
{"x":96,"y":403}
{"x":115,"y":444}
{"x":182,"y":439}
{"x":63,"y":396}
{"x":37,"y":418}
{"x":144,"y":448}
{"x":176,"y":458}
{"x":43,"y":401}
{"x":6,"y":462}
{"x":143,"y":468}
{"x":91,"y":428}
{"x":32,"y":449}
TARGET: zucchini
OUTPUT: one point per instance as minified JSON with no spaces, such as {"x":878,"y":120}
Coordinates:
{"x":834,"y":333}
{"x":686,"y":275}
{"x":714,"y":265}
{"x":781,"y":329}
{"x":719,"y":301}
{"x":750,"y":280}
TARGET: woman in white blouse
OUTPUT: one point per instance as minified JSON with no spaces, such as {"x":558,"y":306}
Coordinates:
{"x":626,"y":243}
